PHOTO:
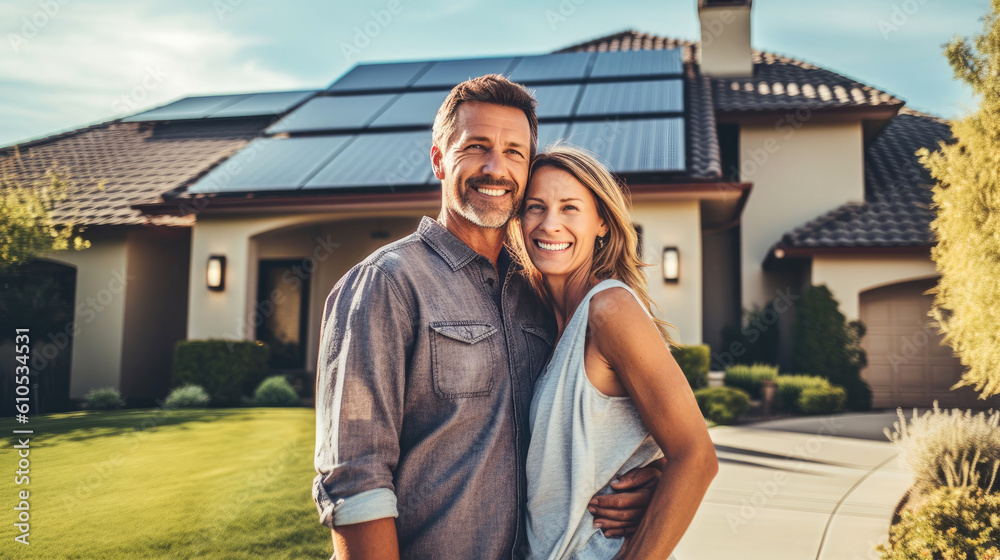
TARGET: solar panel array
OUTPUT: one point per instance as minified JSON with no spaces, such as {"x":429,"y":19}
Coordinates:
{"x":371,"y":128}
{"x":218,"y":106}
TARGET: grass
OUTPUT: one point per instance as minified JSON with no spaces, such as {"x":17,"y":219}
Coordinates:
{"x":180,"y":484}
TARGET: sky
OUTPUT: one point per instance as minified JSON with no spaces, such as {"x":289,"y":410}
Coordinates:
{"x":65,"y":64}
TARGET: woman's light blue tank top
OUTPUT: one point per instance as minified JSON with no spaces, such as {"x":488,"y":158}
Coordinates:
{"x":581,"y":439}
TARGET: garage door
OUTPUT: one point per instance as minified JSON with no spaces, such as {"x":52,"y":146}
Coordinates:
{"x":907,"y":364}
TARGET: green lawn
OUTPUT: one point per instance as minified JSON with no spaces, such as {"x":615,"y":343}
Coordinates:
{"x":153,"y":483}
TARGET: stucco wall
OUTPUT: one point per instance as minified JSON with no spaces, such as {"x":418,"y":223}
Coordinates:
{"x":101,"y":284}
{"x":674,"y":224}
{"x":333,"y":241}
{"x":800,"y":169}
{"x":847,"y":277}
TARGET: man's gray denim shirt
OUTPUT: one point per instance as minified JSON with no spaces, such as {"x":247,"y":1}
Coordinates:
{"x":426,"y":368}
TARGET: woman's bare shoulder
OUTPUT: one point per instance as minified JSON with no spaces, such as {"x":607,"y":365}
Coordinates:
{"x":616,"y":308}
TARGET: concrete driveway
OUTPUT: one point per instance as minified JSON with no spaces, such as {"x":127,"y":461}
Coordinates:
{"x":818,"y":488}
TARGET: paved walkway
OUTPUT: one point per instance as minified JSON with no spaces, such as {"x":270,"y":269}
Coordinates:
{"x":798,"y":489}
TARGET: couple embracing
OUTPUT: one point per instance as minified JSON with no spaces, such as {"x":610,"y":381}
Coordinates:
{"x":495,"y":384}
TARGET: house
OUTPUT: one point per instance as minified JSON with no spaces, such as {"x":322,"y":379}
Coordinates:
{"x":752,"y":176}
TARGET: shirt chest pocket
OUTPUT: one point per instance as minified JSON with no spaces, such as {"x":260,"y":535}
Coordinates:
{"x":463,"y":358}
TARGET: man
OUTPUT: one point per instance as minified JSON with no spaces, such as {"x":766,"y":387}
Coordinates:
{"x":429,"y":352}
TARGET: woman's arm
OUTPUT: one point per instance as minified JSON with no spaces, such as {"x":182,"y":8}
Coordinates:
{"x":628,"y":341}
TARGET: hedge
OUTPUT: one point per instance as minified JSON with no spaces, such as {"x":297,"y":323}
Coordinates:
{"x":822,"y":400}
{"x":790,"y":386}
{"x":694,"y":361}
{"x":722,"y":405}
{"x":226,"y":369}
{"x":748,"y":378}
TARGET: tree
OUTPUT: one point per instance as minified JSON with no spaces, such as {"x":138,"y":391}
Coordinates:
{"x":967,"y":225}
{"x":829,"y":346}
{"x":27,"y":229}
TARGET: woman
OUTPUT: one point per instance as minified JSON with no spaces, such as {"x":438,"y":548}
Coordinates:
{"x":612,"y":396}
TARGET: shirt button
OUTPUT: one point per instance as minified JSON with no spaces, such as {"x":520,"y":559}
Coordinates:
{"x":489,"y":281}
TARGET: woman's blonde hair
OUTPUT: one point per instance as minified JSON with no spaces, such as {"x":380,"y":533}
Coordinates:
{"x":618,"y":256}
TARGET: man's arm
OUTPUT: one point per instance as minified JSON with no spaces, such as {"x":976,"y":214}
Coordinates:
{"x":620,"y":513}
{"x":371,"y":540}
{"x":365,"y":343}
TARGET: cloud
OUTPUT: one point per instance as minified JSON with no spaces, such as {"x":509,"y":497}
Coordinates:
{"x":91,"y":65}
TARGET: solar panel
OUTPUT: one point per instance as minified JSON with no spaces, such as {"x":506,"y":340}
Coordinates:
{"x":646,"y":145}
{"x":412,"y":109}
{"x":188,"y":108}
{"x":394,"y":75}
{"x":331,"y":113}
{"x":378,"y":160}
{"x":637,"y":63}
{"x":623,"y":98}
{"x":452,"y":72}
{"x":270,"y":164}
{"x":556,"y":101}
{"x":548,"y":133}
{"x":561,"y":66}
{"x":263,"y":104}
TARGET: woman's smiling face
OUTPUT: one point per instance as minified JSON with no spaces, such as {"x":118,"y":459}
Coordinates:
{"x":560,"y":222}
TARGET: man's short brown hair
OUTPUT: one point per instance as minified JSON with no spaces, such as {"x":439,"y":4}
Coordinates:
{"x":491,"y":88}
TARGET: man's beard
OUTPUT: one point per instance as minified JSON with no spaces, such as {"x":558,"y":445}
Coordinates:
{"x":492,"y":218}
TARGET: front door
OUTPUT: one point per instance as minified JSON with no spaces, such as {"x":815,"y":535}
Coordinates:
{"x":282,"y":301}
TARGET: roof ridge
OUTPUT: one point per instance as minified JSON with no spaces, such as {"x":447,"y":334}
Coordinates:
{"x":760,"y":56}
{"x":10,"y":148}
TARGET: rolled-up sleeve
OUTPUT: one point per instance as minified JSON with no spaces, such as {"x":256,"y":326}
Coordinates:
{"x":365,"y":343}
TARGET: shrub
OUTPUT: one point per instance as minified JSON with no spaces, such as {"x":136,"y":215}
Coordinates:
{"x":227,"y":369}
{"x":106,"y":398}
{"x":188,"y":396}
{"x":949,"y":447}
{"x":966,"y":206}
{"x":694,"y":361}
{"x":722,"y":405}
{"x":790,"y":386}
{"x":951,"y":523}
{"x":748,"y":378}
{"x":829,"y":346}
{"x":822,"y":400}
{"x":754,"y":338}
{"x":276,"y":391}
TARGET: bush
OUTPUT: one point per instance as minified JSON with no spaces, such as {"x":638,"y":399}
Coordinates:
{"x":227,"y":369}
{"x":693,"y":360}
{"x":829,"y":346}
{"x":106,"y":398}
{"x":949,"y":447}
{"x":748,"y":378}
{"x":754,"y":338}
{"x":188,"y":396}
{"x":276,"y":391}
{"x":790,"y":386}
{"x":822,"y":400}
{"x":966,"y":205}
{"x":722,"y":405}
{"x":951,"y":523}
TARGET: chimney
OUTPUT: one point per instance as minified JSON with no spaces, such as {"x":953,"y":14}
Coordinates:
{"x":725,"y":38}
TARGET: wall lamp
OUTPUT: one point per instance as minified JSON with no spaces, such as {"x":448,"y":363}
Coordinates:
{"x":671,"y":264}
{"x":215,"y":275}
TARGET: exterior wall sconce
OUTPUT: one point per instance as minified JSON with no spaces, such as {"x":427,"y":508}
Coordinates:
{"x":215,"y":275}
{"x":671,"y":264}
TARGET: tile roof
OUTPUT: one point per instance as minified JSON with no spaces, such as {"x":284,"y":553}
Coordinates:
{"x":897,"y":210}
{"x":136,"y":162}
{"x":779,"y":83}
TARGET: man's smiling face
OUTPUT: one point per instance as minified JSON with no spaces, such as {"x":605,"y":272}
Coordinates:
{"x":484,"y":168}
